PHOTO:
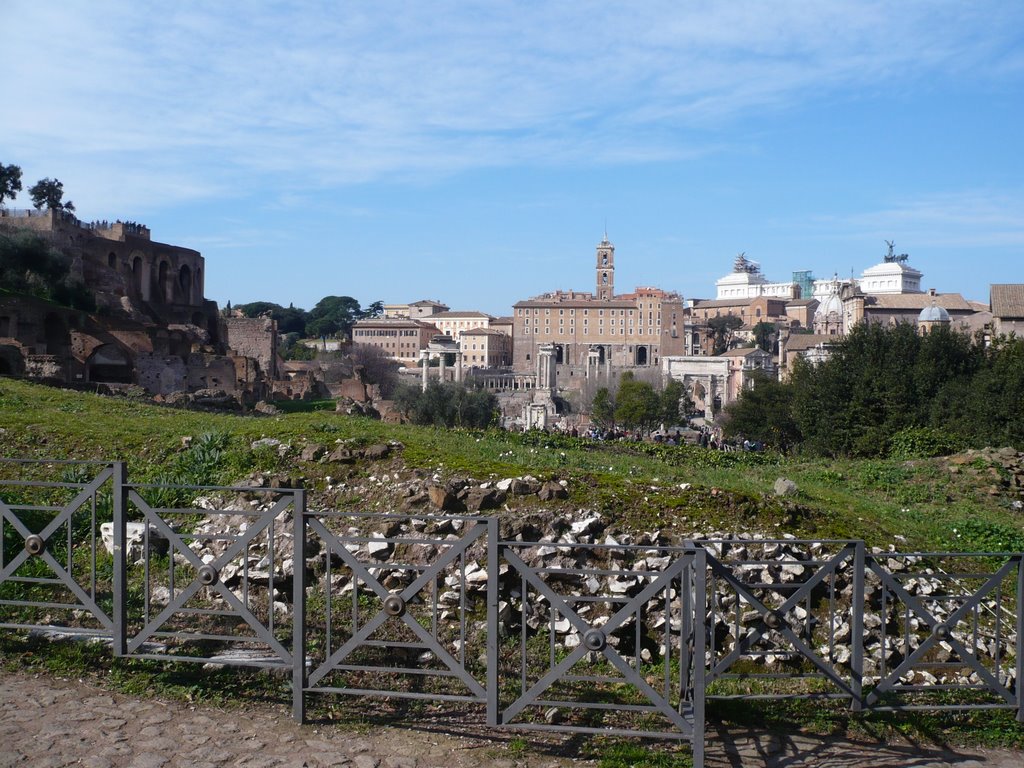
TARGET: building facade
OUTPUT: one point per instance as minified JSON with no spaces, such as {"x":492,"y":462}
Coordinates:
{"x":455,"y":324}
{"x":1007,"y":303}
{"x":399,"y":338}
{"x":486,"y":348}
{"x":622,"y":330}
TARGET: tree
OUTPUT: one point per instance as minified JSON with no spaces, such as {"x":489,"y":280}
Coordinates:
{"x":764,"y":414}
{"x":289,"y":319}
{"x":10,"y":182}
{"x":636,"y":404}
{"x":333,"y":315}
{"x":602,"y":409}
{"x":721,"y":329}
{"x":50,"y":193}
{"x":376,"y":309}
{"x":448,"y":405}
{"x":675,"y":403}
{"x":764,"y":336}
{"x":378,"y":367}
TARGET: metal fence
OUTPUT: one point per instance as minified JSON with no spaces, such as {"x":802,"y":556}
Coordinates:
{"x":556,"y":635}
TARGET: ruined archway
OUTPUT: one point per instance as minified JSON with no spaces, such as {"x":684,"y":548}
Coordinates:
{"x":11,"y":361}
{"x":55,"y":335}
{"x":179,"y":345}
{"x":109,"y":364}
{"x":641,"y":355}
{"x":162,"y":282}
{"x":185,"y":284}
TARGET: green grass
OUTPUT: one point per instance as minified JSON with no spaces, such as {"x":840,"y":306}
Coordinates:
{"x":636,"y":488}
{"x":636,"y":485}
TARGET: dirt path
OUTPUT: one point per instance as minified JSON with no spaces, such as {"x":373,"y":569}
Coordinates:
{"x":46,"y":722}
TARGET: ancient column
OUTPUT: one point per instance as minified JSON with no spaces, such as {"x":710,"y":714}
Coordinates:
{"x":425,"y":362}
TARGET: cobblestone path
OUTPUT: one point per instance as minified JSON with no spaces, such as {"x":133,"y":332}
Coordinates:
{"x":46,"y":722}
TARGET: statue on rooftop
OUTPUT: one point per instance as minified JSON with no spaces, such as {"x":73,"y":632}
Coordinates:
{"x":892,"y":258}
{"x":743,"y":264}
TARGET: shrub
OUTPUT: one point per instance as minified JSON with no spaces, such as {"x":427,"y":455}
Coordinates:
{"x":923,"y":443}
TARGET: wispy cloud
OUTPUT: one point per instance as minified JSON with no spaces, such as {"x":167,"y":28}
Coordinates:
{"x":970,"y":219}
{"x":150,"y":104}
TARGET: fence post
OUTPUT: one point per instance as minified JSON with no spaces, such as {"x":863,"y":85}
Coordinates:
{"x":857,"y":610}
{"x":119,"y":477}
{"x":1020,"y":638}
{"x":493,"y":617}
{"x":299,"y":608}
{"x":700,"y":633}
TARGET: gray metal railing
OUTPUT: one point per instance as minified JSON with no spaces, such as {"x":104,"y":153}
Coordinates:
{"x":550,"y":635}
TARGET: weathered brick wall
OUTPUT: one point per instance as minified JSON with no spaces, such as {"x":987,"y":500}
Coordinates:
{"x":160,"y":374}
{"x":254,"y":337}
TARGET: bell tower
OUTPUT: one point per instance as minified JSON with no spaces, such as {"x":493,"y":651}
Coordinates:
{"x":605,"y":270}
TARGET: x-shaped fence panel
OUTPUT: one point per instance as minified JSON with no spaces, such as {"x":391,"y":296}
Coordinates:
{"x":215,"y":575}
{"x":946,"y":622}
{"x":600,"y":638}
{"x":785,"y":611}
{"x":54,"y":571}
{"x":401,"y":607}
{"x":557,"y":635}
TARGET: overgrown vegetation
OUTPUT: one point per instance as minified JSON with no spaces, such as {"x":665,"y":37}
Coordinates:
{"x":635,"y":405}
{"x":891,"y":391}
{"x":332,"y":316}
{"x":29,"y":265}
{"x":448,"y":405}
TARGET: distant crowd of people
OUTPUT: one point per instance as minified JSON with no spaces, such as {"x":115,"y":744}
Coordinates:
{"x":707,"y":437}
{"x":132,"y":227}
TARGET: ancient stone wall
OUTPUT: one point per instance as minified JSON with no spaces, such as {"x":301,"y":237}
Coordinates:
{"x":160,"y":374}
{"x":254,"y":337}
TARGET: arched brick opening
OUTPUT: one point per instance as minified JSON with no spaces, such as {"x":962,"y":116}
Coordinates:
{"x":185,"y":284}
{"x":55,"y":334}
{"x":11,"y":361}
{"x":163,"y":283}
{"x":109,"y":364}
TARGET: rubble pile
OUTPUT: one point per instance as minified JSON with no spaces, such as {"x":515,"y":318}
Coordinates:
{"x":595,"y":569}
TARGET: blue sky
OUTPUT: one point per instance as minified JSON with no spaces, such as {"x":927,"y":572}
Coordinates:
{"x":474,"y":152}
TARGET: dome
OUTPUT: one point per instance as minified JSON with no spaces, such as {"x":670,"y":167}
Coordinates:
{"x":933,"y":314}
{"x":832,"y":305}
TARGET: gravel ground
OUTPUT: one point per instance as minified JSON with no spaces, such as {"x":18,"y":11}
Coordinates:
{"x":47,"y":722}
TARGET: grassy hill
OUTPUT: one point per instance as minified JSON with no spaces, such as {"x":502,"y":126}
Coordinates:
{"x":967,"y":502}
{"x":960,"y":503}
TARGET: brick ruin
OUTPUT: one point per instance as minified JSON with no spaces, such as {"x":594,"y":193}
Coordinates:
{"x":153,"y":326}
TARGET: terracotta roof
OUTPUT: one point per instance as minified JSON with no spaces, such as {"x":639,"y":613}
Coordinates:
{"x":396,"y":322}
{"x":705,"y":303}
{"x":483,"y":332}
{"x":951,"y":302}
{"x":741,"y":352}
{"x":1007,"y":299}
{"x":801,"y":341}
{"x":428,"y":303}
